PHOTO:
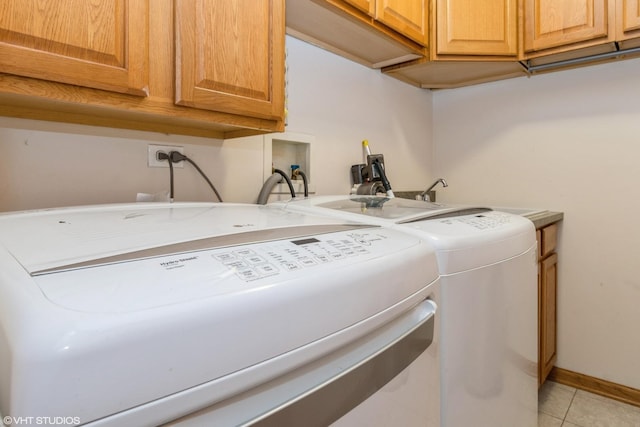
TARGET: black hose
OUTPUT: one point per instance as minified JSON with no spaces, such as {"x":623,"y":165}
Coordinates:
{"x":304,"y":182}
{"x":205,"y":177}
{"x":289,"y":183}
{"x":383,"y":176}
{"x":170,"y":181}
{"x":175,"y":157}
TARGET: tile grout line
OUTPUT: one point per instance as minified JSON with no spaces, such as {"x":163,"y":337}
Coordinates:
{"x":575,"y":391}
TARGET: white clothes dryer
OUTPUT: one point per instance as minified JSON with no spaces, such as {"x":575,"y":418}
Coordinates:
{"x":488,"y":268}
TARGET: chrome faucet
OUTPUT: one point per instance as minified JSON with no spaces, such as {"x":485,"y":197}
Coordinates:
{"x":425,"y":194}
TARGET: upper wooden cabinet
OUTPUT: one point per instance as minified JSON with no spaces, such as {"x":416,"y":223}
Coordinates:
{"x":198,"y":67}
{"x":230,"y":56}
{"x":553,"y":23}
{"x":447,"y":74}
{"x":560,"y":33}
{"x":479,"y":28}
{"x":367,"y":6}
{"x":408,"y":17}
{"x":97,"y":44}
{"x":628,"y":23}
{"x":350,"y":28}
{"x":475,"y":42}
{"x":461,"y":42}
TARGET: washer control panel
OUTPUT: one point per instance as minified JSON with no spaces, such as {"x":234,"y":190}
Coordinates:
{"x":485,"y":220}
{"x":222,"y":271}
{"x":257,"y":261}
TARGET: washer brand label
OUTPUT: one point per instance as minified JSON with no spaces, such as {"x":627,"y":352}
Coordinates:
{"x":177,"y":263}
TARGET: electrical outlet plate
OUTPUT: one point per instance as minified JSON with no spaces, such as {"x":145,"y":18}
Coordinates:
{"x":152,"y":160}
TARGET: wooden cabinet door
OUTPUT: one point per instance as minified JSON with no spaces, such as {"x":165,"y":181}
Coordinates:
{"x":230,"y":56}
{"x":628,"y":20}
{"x":367,"y":6}
{"x":553,"y":23}
{"x":100,"y":44}
{"x":547,"y":315}
{"x":408,"y":17}
{"x":479,"y":27}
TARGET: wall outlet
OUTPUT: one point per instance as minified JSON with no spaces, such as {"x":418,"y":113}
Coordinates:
{"x":152,"y":160}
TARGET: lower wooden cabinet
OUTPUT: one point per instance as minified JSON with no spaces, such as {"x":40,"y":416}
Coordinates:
{"x":547,"y":297}
{"x":548,"y":316}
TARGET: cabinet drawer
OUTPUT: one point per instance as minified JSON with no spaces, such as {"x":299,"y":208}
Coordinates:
{"x":548,"y":240}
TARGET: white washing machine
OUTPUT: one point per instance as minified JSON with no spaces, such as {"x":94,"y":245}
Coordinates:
{"x":488,"y":268}
{"x":214,"y":314}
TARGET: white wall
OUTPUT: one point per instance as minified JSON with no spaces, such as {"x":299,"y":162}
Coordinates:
{"x":336,"y":101}
{"x":49,"y":164}
{"x":341,"y":103}
{"x":567,"y":141}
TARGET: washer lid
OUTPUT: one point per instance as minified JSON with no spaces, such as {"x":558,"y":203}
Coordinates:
{"x":473,"y":241}
{"x":464,"y":237}
{"x":59,"y":239}
{"x":397,"y":210}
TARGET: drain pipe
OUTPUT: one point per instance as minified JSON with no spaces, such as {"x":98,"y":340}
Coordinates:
{"x":267,"y":188}
{"x":271,"y":182}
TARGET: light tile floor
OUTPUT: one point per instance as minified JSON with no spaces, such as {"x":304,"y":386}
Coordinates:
{"x":563,"y":406}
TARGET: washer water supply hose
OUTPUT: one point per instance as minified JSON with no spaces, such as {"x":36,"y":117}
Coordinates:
{"x":305,"y":183}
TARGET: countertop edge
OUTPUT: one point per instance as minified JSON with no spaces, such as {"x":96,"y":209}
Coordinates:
{"x":542,"y":219}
